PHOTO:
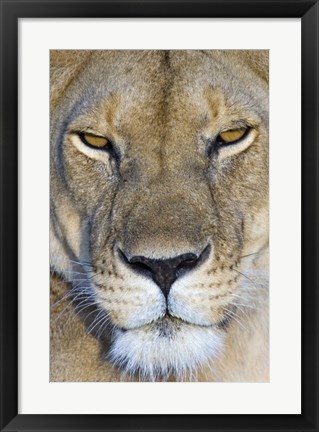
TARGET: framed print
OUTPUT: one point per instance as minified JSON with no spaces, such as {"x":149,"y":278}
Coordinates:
{"x":159,"y":207}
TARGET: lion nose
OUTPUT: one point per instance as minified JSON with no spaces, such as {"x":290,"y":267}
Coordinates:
{"x":164,"y":272}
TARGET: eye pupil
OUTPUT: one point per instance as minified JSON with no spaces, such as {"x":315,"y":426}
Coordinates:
{"x":94,"y":140}
{"x":231,"y":136}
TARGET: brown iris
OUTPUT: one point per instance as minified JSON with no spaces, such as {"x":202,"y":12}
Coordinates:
{"x":232,"y":136}
{"x":94,"y":140}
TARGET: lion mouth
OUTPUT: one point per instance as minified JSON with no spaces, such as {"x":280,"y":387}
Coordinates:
{"x":168,"y":324}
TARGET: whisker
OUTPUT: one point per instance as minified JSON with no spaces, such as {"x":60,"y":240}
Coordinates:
{"x":103,"y":325}
{"x":82,"y":263}
{"x":67,"y":295}
{"x":250,"y":254}
{"x":234,"y":316}
{"x":77,"y":313}
{"x":240,"y":309}
{"x":97,"y":319}
{"x":75,"y":297}
{"x":243,"y":305}
{"x":75,"y":272}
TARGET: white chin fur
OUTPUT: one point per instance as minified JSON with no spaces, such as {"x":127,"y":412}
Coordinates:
{"x":164,"y":349}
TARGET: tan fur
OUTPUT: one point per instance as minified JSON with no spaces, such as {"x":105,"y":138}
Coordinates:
{"x":164,"y":195}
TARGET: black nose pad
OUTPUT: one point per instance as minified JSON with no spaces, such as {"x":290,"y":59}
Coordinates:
{"x":164,"y":272}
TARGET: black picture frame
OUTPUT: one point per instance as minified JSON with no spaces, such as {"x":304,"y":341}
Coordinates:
{"x":11,"y":11}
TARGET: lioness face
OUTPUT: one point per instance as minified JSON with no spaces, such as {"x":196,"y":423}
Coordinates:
{"x":162,"y":158}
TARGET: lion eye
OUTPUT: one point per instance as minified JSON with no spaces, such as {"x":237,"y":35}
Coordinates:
{"x":94,"y":140}
{"x":231,"y":136}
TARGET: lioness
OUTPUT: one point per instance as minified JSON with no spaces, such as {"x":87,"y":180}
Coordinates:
{"x":159,"y":215}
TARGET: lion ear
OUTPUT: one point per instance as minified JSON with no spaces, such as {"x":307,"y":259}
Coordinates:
{"x":258,"y":60}
{"x":64,"y":67}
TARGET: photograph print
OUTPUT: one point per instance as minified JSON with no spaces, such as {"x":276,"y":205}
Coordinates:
{"x":159,"y":216}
